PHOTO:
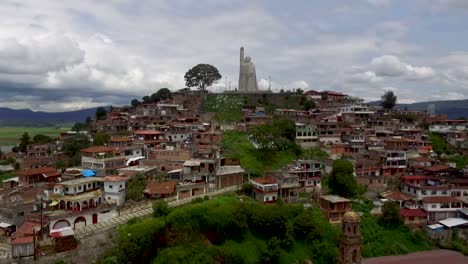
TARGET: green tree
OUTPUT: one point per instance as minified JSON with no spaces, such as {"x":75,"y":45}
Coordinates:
{"x":164,"y":93}
{"x":88,"y":121}
{"x":342,"y":181}
{"x":101,"y":113}
{"x":77,"y":127}
{"x":25,"y":140}
{"x":146,"y":99}
{"x":135,"y":102}
{"x":100,"y":139}
{"x":160,"y":208}
{"x":389,"y":100}
{"x":135,"y":187}
{"x":155,"y":98}
{"x":41,"y":139}
{"x":279,"y":134}
{"x":391,"y":214}
{"x":201,"y":76}
{"x":72,"y":147}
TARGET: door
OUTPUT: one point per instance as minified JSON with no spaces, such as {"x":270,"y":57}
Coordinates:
{"x":95,"y":219}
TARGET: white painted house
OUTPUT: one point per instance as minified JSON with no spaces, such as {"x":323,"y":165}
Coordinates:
{"x":115,"y":189}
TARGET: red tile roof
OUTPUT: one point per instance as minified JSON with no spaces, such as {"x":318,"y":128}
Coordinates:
{"x":264,"y":180}
{"x":155,"y":188}
{"x":417,"y":177}
{"x":395,"y":196}
{"x":440,"y":199}
{"x":22,"y":240}
{"x":120,"y":139}
{"x":437,"y":168}
{"x":98,"y":149}
{"x":27,"y":228}
{"x":425,"y":257}
{"x":31,"y":172}
{"x":405,"y":212}
{"x":149,"y":132}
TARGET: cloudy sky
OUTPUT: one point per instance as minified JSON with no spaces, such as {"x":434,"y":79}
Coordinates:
{"x":67,"y":55}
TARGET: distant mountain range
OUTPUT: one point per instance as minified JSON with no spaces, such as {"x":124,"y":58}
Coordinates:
{"x":452,"y":108}
{"x":27,"y":117}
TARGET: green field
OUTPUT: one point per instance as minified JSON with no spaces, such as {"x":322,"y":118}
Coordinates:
{"x":11,"y":135}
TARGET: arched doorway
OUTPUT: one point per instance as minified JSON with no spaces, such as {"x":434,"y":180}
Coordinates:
{"x":61,"y":224}
{"x":85,"y":205}
{"x":95,"y":219}
{"x":77,"y":207}
{"x":80,"y":221}
{"x":69,"y":205}
{"x":62,"y":205}
{"x":91,"y":203}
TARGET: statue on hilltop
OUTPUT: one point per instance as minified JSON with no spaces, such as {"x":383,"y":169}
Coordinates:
{"x":247,"y":75}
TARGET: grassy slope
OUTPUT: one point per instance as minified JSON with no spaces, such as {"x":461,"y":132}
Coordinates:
{"x":11,"y":135}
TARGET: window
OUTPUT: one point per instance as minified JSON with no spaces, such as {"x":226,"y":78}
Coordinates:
{"x":110,"y":186}
{"x":120,"y":186}
{"x":433,"y":206}
{"x":445,"y":205}
{"x":433,"y":192}
{"x":79,"y":188}
{"x":411,"y":218}
{"x":423,"y":193}
{"x":444,"y":192}
{"x":21,"y":214}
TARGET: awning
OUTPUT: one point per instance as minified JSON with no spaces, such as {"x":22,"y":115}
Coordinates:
{"x":89,"y":173}
{"x":435,"y":226}
{"x":130,"y":160}
{"x":54,"y":203}
{"x":192,"y":163}
{"x":4,"y":225}
{"x":175,"y":171}
{"x":451,"y":222}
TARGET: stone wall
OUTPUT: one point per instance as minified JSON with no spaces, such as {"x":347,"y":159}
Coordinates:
{"x":89,"y":250}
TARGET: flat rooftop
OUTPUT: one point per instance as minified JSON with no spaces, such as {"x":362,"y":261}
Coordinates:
{"x":334,"y":198}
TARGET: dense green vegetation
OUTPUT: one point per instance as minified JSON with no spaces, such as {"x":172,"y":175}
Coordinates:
{"x":11,"y":135}
{"x":440,"y":146}
{"x":387,"y":235}
{"x":342,"y":181}
{"x":135,"y":187}
{"x":227,"y":107}
{"x":228,"y":231}
{"x":270,"y":146}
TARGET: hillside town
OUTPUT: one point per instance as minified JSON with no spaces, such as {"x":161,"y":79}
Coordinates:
{"x":174,"y":145}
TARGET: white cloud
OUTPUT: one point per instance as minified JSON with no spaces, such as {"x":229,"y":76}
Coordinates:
{"x":364,"y":77}
{"x":392,"y":66}
{"x":39,"y":55}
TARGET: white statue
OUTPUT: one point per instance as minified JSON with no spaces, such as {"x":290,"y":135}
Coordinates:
{"x":247,"y":75}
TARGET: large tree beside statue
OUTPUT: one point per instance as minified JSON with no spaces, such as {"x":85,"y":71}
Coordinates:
{"x":202,"y":76}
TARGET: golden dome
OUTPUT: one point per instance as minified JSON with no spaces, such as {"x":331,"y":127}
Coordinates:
{"x":351,"y":217}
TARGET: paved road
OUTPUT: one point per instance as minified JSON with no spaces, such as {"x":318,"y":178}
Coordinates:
{"x":139,"y":211}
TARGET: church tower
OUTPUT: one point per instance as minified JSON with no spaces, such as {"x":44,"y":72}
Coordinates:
{"x":350,"y":241}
